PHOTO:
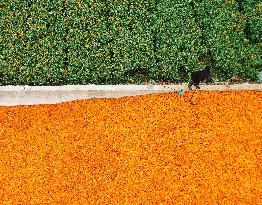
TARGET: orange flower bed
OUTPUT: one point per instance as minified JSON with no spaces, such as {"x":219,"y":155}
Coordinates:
{"x":151,"y":149}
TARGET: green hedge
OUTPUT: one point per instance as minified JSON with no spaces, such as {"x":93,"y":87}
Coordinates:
{"x":111,"y":41}
{"x":181,"y":48}
{"x":132,"y":41}
{"x":234,"y":52}
{"x":32,"y":36}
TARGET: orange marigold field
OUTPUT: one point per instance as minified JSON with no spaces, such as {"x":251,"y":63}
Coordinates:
{"x":151,"y":149}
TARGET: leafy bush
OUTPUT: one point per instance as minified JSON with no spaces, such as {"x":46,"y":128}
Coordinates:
{"x":110,"y":42}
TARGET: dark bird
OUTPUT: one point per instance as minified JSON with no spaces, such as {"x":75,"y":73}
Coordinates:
{"x":199,"y":76}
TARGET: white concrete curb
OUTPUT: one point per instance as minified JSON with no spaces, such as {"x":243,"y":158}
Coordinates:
{"x":30,"y":95}
{"x":244,"y":86}
{"x":89,"y":88}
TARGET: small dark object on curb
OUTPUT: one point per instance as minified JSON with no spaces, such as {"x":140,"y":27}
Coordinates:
{"x":199,"y":76}
{"x":236,"y":79}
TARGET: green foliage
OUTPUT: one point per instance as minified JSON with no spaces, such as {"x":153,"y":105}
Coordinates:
{"x":181,"y":49}
{"x":112,"y":41}
{"x":32,"y":37}
{"x":233,"y":52}
{"x":88,"y":42}
{"x":132,"y":40}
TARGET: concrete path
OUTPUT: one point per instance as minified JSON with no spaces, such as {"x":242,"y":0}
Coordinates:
{"x":29,"y":95}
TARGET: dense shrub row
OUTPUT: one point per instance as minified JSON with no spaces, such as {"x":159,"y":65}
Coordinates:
{"x":78,"y":42}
